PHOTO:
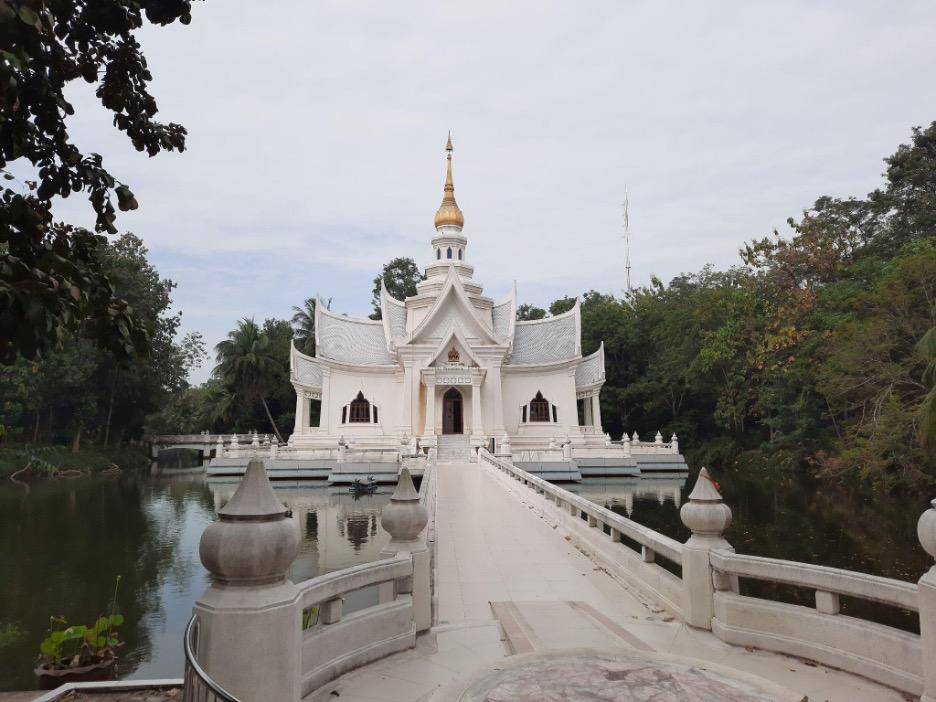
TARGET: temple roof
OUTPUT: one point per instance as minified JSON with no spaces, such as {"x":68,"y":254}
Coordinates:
{"x":503,"y":314}
{"x":393,"y":312}
{"x":307,"y":371}
{"x":591,"y":370}
{"x":547,"y":340}
{"x":357,"y":341}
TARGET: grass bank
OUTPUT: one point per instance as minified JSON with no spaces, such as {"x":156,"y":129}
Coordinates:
{"x":49,"y":458}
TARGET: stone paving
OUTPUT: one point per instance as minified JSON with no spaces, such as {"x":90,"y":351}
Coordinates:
{"x":513,"y":594}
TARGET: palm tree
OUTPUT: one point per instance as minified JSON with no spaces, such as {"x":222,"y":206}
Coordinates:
{"x":303,"y":322}
{"x":246,"y":364}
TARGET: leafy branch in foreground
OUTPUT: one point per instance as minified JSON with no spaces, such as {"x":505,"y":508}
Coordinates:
{"x":51,"y":279}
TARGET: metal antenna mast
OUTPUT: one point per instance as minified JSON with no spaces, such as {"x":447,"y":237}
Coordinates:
{"x":627,"y":260}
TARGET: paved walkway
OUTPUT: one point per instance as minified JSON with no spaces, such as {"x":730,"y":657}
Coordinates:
{"x":512,"y":589}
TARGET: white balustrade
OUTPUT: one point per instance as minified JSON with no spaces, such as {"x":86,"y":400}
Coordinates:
{"x":707,"y":595}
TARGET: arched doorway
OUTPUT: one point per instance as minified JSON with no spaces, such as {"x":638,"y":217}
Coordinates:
{"x":452,"y":412}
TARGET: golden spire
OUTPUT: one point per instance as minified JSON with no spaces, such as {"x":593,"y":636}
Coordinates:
{"x":448,"y":212}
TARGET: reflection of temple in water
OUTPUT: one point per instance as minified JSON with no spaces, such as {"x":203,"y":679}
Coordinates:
{"x":338,"y":529}
{"x":609,"y":492}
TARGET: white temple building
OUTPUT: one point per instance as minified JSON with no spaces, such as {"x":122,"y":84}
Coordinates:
{"x":449,"y":365}
{"x":443,"y":372}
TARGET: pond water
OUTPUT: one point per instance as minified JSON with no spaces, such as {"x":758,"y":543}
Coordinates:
{"x":63,"y":544}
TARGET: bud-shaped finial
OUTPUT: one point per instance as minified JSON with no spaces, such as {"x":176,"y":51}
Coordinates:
{"x":254,"y":541}
{"x":705,"y":514}
{"x":405,"y":517}
{"x":926,"y":530}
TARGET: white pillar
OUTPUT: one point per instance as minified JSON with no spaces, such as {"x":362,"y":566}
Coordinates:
{"x":596,"y":411}
{"x":301,"y":417}
{"x":497,"y":397}
{"x":405,"y":519}
{"x":430,"y":408}
{"x":707,"y":517}
{"x":589,"y":421}
{"x":406,"y":411}
{"x":250,"y":618}
{"x":476,"y":428}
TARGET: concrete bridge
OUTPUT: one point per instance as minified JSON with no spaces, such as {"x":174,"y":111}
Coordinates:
{"x":206,"y":444}
{"x":499,"y":585}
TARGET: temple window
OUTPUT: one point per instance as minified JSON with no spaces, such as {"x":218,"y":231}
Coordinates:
{"x":459,"y":254}
{"x":359,"y":411}
{"x":539,"y":408}
{"x":449,"y":252}
{"x":438,"y":254}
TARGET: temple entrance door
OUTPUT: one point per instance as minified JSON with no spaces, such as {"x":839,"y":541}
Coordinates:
{"x":452,"y":412}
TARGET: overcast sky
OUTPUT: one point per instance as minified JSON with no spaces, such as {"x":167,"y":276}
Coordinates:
{"x":316,"y":134}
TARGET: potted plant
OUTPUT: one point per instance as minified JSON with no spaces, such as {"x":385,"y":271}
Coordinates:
{"x":78,"y":653}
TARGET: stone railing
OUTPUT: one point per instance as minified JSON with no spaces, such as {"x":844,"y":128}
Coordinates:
{"x":630,"y":550}
{"x":705,"y":594}
{"x":333,"y":643}
{"x":632,"y":444}
{"x":264,"y":637}
{"x":880,"y":652}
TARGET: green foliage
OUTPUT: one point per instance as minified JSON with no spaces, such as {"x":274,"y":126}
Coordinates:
{"x":529,"y":312}
{"x":563,"y":304}
{"x":53,"y":282}
{"x":80,"y":390}
{"x":250,"y":362}
{"x":79,"y":645}
{"x":400,"y":277}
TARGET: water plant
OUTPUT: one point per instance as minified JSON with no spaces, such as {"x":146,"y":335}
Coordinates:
{"x":76,"y":646}
{"x":79,"y":645}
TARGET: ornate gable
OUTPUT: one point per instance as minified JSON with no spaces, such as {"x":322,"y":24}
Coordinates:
{"x":452,"y":311}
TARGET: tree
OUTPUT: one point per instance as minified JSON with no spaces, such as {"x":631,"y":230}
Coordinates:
{"x":303,"y":322}
{"x":400,"y":276}
{"x":52,"y":281}
{"x":529,"y":312}
{"x":563,"y":304}
{"x":246,"y":363}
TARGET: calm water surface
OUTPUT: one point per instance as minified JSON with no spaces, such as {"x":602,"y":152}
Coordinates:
{"x":63,"y":543}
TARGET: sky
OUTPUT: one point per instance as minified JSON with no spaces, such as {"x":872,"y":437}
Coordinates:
{"x":316,"y":133}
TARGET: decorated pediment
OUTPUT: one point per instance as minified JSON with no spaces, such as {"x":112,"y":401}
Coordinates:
{"x":452,"y":311}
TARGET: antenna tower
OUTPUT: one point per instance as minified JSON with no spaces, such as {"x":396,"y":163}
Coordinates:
{"x":627,"y":260}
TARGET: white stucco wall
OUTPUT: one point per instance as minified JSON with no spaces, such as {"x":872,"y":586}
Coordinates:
{"x":557,"y":386}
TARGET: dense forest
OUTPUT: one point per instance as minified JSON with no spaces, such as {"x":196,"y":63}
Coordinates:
{"x":816,"y":354}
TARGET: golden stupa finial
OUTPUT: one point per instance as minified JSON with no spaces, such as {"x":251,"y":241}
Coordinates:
{"x":448,"y":213}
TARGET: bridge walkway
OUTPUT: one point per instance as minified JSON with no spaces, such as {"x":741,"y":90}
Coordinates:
{"x":510,"y":586}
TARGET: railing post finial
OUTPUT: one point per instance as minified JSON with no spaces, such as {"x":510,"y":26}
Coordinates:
{"x":707,"y":517}
{"x":251,"y":614}
{"x":926,"y":531}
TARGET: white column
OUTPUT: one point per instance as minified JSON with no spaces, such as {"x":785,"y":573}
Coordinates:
{"x":494,"y":376}
{"x":588,"y":412}
{"x":476,"y":428}
{"x":430,"y":407}
{"x":596,"y":411}
{"x":301,"y":420}
{"x":406,"y":411}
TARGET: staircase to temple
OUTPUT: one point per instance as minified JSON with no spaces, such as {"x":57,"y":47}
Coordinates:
{"x":453,"y":448}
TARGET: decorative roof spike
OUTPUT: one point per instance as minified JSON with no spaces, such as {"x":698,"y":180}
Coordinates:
{"x":448,"y":213}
